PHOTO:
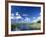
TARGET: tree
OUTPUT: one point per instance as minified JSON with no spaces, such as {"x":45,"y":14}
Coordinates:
{"x":38,"y":21}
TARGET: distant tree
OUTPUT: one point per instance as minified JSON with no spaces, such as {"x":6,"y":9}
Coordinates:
{"x":39,"y":21}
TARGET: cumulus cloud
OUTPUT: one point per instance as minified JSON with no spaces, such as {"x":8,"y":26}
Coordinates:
{"x":25,"y":15}
{"x":17,"y":13}
{"x":16,"y":17}
{"x":27,"y":19}
{"x":34,"y":17}
{"x":40,"y":13}
{"x":12,"y":16}
{"x":37,"y":19}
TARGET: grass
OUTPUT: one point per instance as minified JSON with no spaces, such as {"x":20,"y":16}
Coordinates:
{"x":28,"y":26}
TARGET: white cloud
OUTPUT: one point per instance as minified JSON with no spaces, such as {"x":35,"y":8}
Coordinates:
{"x":16,"y":17}
{"x":34,"y":17}
{"x":12,"y":16}
{"x":27,"y":19}
{"x":37,"y":19}
{"x":25,"y":15}
{"x":17,"y":13}
{"x":40,"y":13}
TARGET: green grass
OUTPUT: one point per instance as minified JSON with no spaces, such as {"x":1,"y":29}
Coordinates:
{"x":35,"y":26}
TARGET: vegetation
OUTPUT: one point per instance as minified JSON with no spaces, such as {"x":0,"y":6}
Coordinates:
{"x":25,"y":26}
{"x":39,"y":21}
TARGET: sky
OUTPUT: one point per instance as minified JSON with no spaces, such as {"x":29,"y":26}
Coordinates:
{"x":25,"y":11}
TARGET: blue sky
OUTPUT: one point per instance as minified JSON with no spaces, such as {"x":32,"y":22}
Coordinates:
{"x":26,"y":10}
